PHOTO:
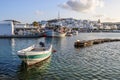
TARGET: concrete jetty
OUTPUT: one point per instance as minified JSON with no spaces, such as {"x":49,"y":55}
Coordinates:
{"x":84,"y":43}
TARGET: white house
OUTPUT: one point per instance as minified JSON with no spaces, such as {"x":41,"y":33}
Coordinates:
{"x":20,"y":25}
{"x":6,"y":28}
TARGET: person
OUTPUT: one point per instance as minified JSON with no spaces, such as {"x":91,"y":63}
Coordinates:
{"x":42,"y":44}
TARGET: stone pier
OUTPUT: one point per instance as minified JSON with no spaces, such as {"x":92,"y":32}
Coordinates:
{"x":84,"y":43}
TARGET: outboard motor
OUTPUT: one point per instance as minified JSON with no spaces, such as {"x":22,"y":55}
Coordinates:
{"x":42,"y":44}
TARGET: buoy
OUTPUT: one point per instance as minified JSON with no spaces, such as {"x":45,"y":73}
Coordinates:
{"x":78,"y":40}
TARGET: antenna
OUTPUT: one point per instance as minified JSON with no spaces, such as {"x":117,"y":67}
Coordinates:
{"x":58,"y":15}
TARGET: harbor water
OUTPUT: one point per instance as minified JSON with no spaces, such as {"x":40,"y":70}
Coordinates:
{"x":97,"y":62}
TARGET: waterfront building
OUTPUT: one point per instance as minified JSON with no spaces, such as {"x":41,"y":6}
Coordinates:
{"x":6,"y":28}
{"x":13,"y":27}
{"x":25,"y":29}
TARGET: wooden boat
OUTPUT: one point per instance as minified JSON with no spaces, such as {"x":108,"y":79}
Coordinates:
{"x":35,"y":54}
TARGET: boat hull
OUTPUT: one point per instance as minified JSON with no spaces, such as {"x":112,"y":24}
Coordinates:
{"x":51,"y":33}
{"x":33,"y":57}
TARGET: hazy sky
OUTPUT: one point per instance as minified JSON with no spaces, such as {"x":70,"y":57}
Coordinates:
{"x":36,"y":10}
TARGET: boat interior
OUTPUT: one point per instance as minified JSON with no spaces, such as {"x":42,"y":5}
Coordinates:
{"x":39,"y":49}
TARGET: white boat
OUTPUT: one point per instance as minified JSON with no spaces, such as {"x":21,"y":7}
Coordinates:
{"x":51,"y":33}
{"x":55,"y":31}
{"x":35,"y":54}
{"x":69,"y":34}
{"x":75,"y":32}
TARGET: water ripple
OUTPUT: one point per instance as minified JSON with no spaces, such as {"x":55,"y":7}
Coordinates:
{"x":97,"y":62}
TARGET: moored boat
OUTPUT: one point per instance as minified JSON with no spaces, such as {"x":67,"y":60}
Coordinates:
{"x":55,"y":31}
{"x":69,"y":34}
{"x":75,"y":32}
{"x":35,"y":54}
{"x":51,"y":33}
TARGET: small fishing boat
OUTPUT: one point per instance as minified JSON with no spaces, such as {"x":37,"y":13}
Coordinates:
{"x":69,"y":34}
{"x":75,"y":32}
{"x":55,"y":31}
{"x":35,"y":54}
{"x":51,"y":33}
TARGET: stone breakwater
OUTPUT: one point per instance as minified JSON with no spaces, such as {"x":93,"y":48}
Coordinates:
{"x":85,"y":43}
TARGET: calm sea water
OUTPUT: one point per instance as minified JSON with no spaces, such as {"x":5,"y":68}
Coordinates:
{"x":98,"y":62}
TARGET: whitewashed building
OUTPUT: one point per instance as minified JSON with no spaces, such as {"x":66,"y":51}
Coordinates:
{"x":6,"y":28}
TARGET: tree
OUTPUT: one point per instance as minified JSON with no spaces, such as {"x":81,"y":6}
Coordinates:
{"x":36,"y":24}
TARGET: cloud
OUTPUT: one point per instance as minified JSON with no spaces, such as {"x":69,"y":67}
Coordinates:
{"x":38,"y":12}
{"x":109,"y":19}
{"x":82,"y":5}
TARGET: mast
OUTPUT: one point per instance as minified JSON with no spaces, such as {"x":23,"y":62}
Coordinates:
{"x":58,"y":15}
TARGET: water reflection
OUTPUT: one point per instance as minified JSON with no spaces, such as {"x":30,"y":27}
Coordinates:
{"x":98,"y":62}
{"x":57,"y":43}
{"x":8,"y":61}
{"x":33,"y":72}
{"x":13,"y":46}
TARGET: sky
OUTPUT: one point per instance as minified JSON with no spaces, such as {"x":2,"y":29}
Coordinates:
{"x":28,"y":11}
